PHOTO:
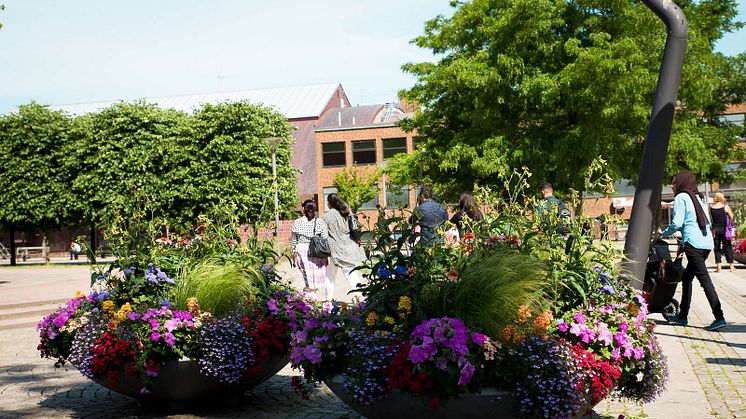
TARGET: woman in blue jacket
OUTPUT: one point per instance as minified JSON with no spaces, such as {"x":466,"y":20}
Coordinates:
{"x":690,"y":217}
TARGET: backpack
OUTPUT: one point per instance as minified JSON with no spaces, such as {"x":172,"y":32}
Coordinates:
{"x":564,"y":217}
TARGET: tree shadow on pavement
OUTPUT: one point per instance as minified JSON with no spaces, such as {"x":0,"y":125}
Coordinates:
{"x":694,"y":338}
{"x":738,"y":362}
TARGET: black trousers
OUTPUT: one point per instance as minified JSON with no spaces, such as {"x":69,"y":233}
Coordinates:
{"x":696,"y":267}
{"x":722,"y":245}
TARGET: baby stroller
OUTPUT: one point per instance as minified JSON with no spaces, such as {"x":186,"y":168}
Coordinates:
{"x":662,"y":275}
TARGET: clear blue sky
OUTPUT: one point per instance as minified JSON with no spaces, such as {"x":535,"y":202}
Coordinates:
{"x":59,"y":52}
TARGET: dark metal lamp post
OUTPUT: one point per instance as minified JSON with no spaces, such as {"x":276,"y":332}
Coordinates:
{"x":648,"y":191}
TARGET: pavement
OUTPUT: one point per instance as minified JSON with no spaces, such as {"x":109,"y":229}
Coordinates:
{"x":708,"y":369}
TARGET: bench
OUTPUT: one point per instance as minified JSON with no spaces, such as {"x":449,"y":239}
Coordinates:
{"x":26,"y":252}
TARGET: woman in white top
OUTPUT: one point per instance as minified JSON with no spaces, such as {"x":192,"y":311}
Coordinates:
{"x":346,"y":253}
{"x":312,"y":269}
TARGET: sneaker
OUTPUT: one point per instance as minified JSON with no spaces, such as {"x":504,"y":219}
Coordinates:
{"x":716,"y":325}
{"x":679,"y":321}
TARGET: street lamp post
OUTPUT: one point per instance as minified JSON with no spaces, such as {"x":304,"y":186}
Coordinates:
{"x":273,"y":143}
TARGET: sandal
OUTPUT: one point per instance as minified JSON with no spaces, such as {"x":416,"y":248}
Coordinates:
{"x":732,"y":268}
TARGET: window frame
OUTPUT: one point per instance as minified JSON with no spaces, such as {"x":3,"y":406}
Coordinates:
{"x":324,"y":154}
{"x":367,"y":150}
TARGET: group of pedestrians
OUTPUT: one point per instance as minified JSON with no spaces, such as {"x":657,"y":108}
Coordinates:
{"x":337,"y":226}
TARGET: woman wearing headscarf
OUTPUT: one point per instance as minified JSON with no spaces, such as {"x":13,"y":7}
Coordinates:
{"x":346,"y":253}
{"x":312,"y":269}
{"x":690,"y":217}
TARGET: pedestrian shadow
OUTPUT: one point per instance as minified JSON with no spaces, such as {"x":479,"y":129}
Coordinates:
{"x":738,"y":362}
{"x":698,"y":339}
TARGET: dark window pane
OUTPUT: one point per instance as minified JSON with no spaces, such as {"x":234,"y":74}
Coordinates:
{"x":394,"y":146}
{"x":372,"y":204}
{"x":333,"y":154}
{"x":364,"y":152}
{"x":397,"y":196}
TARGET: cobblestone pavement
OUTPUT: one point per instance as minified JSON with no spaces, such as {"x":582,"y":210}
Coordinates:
{"x":708,"y":369}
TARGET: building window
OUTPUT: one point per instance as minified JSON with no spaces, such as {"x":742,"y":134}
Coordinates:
{"x":372,"y":204}
{"x":364,"y":152}
{"x":333,"y":154}
{"x":397,"y":196}
{"x":394,"y":146}
{"x":734,"y":119}
{"x":417,"y":142}
{"x":328,"y":191}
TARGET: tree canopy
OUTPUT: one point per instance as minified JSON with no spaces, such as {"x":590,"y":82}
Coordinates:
{"x":36,"y":169}
{"x":555,"y":85}
{"x":58,"y":170}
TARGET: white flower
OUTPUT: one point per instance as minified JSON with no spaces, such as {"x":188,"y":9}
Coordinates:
{"x":117,"y":274}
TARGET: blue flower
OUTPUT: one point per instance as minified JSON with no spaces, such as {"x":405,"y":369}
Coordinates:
{"x":383,"y":272}
{"x":400,"y":270}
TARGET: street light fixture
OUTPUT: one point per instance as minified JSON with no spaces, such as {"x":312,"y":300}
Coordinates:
{"x":273,"y":143}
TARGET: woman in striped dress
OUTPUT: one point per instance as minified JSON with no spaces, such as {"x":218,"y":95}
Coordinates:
{"x":312,"y":269}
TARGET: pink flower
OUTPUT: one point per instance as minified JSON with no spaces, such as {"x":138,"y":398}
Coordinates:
{"x":588,"y":335}
{"x":170,"y":339}
{"x":171,"y":325}
{"x":577,"y":329}
{"x":155,"y":336}
{"x":638,"y":353}
{"x":561,"y":325}
{"x":579,"y":317}
{"x":604,"y":335}
{"x":478,"y":339}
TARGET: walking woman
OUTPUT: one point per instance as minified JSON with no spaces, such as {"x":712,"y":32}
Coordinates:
{"x":346,"y":253}
{"x":720,"y":213}
{"x":690,"y":217}
{"x":312,"y":269}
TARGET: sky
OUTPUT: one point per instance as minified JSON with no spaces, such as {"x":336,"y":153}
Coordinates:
{"x":76,"y":51}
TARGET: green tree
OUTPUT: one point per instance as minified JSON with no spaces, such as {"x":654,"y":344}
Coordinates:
{"x":135,"y":148}
{"x":554,"y":85}
{"x":36,"y":169}
{"x":355,"y":186}
{"x":232,"y":162}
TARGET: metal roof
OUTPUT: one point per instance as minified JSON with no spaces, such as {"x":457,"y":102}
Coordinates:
{"x":293,"y":102}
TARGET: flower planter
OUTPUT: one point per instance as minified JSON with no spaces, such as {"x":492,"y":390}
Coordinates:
{"x":182,"y":381}
{"x":739,"y":258}
{"x":398,"y":404}
{"x":491,"y":402}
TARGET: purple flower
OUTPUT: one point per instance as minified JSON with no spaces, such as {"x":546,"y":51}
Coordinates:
{"x":638,"y":353}
{"x":155,"y":336}
{"x":170,"y":339}
{"x":579,"y":317}
{"x":329,"y":325}
{"x":312,"y":354}
{"x":466,"y":373}
{"x":478,"y":339}
{"x":296,"y":356}
{"x":273,"y":306}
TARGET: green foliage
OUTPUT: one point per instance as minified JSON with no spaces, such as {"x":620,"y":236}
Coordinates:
{"x":36,"y":147}
{"x":555,"y":85}
{"x":356,"y":187}
{"x":489,"y":292}
{"x":220,"y":289}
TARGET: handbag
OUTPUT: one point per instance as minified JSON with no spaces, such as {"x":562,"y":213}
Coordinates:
{"x":730,"y":229}
{"x":319,"y":246}
{"x":355,"y":233}
{"x":673,"y":270}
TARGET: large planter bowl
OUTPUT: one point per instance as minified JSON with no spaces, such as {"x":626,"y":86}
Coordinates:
{"x":739,"y":258}
{"x":491,"y":403}
{"x":182,"y":382}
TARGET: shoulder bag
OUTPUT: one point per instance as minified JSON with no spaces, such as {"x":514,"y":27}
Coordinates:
{"x":319,"y":247}
{"x":355,"y":233}
{"x":730,"y":229}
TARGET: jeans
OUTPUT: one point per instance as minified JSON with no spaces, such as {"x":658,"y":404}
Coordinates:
{"x":696,"y":266}
{"x":727,"y":247}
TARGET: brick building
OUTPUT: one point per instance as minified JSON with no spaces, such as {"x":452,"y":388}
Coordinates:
{"x":365,"y":136}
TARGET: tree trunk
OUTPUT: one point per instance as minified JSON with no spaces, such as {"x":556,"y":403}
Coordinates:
{"x":93,"y":243}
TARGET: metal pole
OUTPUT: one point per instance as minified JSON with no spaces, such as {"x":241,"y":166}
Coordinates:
{"x":648,"y":191}
{"x":277,"y":200}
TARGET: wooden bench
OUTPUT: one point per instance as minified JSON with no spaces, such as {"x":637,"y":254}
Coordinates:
{"x":27,"y":252}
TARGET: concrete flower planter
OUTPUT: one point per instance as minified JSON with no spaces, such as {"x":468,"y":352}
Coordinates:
{"x":491,"y":403}
{"x":182,"y":382}
{"x":739,"y":258}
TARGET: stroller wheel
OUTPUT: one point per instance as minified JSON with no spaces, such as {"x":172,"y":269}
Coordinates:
{"x":671,"y":310}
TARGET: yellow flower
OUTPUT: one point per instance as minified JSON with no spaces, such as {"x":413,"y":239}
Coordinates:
{"x":389,"y":320}
{"x":192,"y":305}
{"x":371,"y":319}
{"x":79,"y":294}
{"x":405,"y":304}
{"x":108,"y":306}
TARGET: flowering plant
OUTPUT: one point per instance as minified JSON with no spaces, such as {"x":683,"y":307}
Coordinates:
{"x":226,"y":313}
